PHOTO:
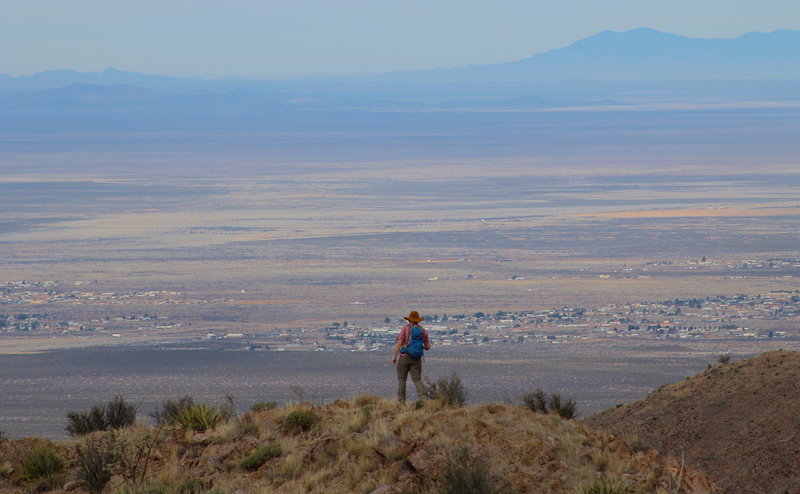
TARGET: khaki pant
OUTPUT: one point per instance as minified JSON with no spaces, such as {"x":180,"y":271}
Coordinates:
{"x":406,"y":364}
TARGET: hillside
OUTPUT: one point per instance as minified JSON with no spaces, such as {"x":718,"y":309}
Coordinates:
{"x":738,"y":422}
{"x":369,"y":445}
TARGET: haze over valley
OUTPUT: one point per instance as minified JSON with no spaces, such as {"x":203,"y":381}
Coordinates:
{"x":592,"y":223}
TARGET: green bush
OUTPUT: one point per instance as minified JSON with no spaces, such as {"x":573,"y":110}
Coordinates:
{"x":115,"y":414}
{"x":201,"y":417}
{"x":95,"y":462}
{"x":80,"y":423}
{"x":724,"y":358}
{"x":249,"y":429}
{"x":605,"y":486}
{"x":170,"y":410}
{"x":566,"y":409}
{"x":300,"y":420}
{"x":120,"y":413}
{"x":42,"y":468}
{"x":464,"y":473}
{"x":450,"y":390}
{"x":539,"y":402}
{"x":264,"y":405}
{"x":536,"y":401}
{"x":260,"y":455}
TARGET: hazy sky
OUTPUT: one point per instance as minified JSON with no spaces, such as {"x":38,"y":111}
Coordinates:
{"x":279,"y":38}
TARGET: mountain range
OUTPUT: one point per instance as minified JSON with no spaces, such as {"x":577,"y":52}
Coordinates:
{"x":645,"y":54}
{"x":594,"y":70}
{"x":637,"y":54}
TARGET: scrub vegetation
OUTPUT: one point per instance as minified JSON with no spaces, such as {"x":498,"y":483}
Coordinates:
{"x":368,"y":444}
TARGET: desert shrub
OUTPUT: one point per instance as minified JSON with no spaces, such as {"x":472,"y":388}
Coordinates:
{"x":640,"y":442}
{"x":137,"y":459}
{"x":170,"y":410}
{"x":80,"y":423}
{"x":201,"y":417}
{"x":42,"y":468}
{"x":120,"y":413}
{"x":564,"y":408}
{"x":115,"y":414}
{"x":539,"y":402}
{"x":450,"y":390}
{"x":464,"y":473}
{"x":536,"y":401}
{"x":605,"y":486}
{"x":249,"y":429}
{"x":364,"y":400}
{"x":3,"y":436}
{"x":260,"y":455}
{"x":95,"y":463}
{"x":192,"y":486}
{"x":147,"y":488}
{"x":300,"y":420}
{"x":724,"y":358}
{"x":299,"y":391}
{"x":264,"y":405}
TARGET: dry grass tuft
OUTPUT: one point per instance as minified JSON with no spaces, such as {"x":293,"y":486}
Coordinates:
{"x":373,"y":443}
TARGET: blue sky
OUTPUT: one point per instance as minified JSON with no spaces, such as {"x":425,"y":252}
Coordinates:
{"x":283,"y":38}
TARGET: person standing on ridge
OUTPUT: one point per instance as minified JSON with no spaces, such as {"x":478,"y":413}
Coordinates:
{"x":411,"y":342}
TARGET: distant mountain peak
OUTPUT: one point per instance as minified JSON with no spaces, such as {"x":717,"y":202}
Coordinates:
{"x":639,"y":31}
{"x":639,"y":54}
{"x":649,"y":54}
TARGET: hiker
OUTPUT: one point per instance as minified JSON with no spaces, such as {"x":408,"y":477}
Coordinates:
{"x":411,"y":342}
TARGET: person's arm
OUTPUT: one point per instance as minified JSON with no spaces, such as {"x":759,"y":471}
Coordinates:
{"x":397,"y":347}
{"x":401,"y":340}
{"x":426,"y":340}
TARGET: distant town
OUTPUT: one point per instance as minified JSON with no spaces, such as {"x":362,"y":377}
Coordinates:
{"x":774,"y":314}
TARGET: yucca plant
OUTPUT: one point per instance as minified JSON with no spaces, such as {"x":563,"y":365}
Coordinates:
{"x":605,"y":486}
{"x":42,"y":468}
{"x":201,"y":417}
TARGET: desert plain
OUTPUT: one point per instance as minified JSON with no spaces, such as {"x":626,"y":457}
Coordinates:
{"x":213,"y":256}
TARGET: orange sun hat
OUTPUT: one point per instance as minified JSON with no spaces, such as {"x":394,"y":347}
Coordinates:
{"x":414,"y":316}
